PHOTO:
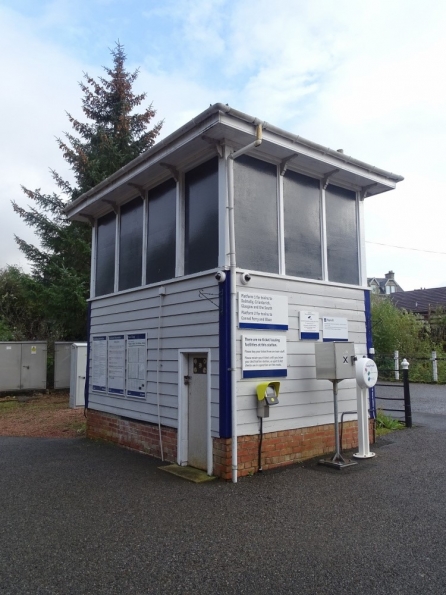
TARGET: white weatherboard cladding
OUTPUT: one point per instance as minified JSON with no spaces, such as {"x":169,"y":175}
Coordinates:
{"x":187,"y":322}
{"x":303,"y":400}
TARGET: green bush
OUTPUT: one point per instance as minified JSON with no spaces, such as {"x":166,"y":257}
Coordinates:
{"x":398,"y":330}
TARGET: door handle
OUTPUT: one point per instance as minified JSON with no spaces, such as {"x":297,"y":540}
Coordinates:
{"x":27,"y":367}
{"x":187,"y":379}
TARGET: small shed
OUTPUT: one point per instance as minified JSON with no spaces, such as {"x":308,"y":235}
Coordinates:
{"x":220,"y":256}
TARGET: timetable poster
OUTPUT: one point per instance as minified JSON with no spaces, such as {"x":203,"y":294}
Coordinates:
{"x":116,"y":364}
{"x":99,"y":364}
{"x":136,"y":365}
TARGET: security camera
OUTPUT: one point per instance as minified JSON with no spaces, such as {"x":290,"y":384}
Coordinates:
{"x":245,"y":278}
{"x":220,"y":276}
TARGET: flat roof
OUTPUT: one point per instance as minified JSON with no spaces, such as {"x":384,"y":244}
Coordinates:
{"x":203,"y":136}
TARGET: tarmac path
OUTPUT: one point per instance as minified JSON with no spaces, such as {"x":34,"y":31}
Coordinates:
{"x":81,"y":517}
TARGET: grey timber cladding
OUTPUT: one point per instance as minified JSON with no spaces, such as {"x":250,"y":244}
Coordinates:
{"x":187,"y":321}
{"x":304,"y":401}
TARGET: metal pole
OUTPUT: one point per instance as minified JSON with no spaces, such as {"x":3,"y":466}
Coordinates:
{"x":396,"y":357}
{"x":434,"y":366}
{"x":336,"y":420}
{"x":372,"y":391}
{"x":337,"y":461}
{"x":407,"y":405}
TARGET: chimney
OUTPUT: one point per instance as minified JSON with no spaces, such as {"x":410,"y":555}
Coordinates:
{"x":390,"y":275}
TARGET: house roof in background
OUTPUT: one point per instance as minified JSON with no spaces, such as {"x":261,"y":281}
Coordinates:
{"x":388,"y":279}
{"x":420,"y":300}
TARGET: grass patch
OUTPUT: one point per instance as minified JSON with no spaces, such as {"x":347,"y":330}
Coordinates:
{"x":8,"y":405}
{"x":80,"y":427}
{"x":386,"y":424}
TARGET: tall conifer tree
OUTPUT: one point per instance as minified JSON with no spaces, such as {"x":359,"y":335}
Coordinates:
{"x":113,"y":135}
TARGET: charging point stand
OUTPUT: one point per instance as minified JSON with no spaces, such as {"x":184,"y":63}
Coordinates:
{"x":363,"y":426}
{"x":337,"y":461}
{"x":366,"y":377}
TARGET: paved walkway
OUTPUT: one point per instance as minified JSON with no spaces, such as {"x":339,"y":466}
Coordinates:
{"x":79,"y":517}
{"x":428,"y":402}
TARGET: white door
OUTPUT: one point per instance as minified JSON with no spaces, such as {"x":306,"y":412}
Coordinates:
{"x":197,"y":411}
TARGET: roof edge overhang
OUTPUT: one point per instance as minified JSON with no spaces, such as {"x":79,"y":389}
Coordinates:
{"x":213,"y":115}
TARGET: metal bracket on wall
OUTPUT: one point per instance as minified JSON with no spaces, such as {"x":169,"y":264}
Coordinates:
{"x":365,"y":190}
{"x":215,"y":143}
{"x":142,"y":192}
{"x":208,"y":297}
{"x":173,"y":170}
{"x":284,"y":163}
{"x":113,"y":205}
{"x":90,"y":219}
{"x":327,"y":176}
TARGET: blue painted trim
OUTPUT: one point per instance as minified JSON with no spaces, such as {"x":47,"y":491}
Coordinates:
{"x":116,"y":391}
{"x":224,"y":333}
{"x":87,"y":371}
{"x":369,"y":341}
{"x":102,"y":389}
{"x":264,"y":373}
{"x":313,"y":336}
{"x":273,"y":327}
{"x":331,"y":340}
{"x":135,"y":393}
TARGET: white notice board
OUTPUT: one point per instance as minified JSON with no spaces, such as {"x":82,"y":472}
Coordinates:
{"x":136,"y":365}
{"x":334,"y":329}
{"x":309,"y":325}
{"x":264,"y":356}
{"x":116,"y":364}
{"x":99,"y":364}
{"x":262,"y":311}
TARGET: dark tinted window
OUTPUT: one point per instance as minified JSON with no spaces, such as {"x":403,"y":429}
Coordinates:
{"x":161,"y":232}
{"x":130,"y":247}
{"x":105,"y":254}
{"x":301,"y":198}
{"x":255,"y":191}
{"x":342,"y":239}
{"x":201,"y":234}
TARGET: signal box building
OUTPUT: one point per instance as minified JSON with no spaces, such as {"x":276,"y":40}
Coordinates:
{"x":219,"y":257}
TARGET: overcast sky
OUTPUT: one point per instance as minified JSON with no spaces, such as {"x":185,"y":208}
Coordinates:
{"x":367,"y":77}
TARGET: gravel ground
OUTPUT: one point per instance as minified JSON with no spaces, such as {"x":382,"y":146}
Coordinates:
{"x":40,"y":415}
{"x":82,"y":517}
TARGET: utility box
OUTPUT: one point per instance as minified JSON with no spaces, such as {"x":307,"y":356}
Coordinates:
{"x":78,"y":374}
{"x":62,"y":364}
{"x":335,"y":360}
{"x":23,"y":365}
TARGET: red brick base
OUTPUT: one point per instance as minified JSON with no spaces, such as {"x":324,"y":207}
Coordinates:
{"x":134,"y":434}
{"x":282,"y":448}
{"x":278,"y":448}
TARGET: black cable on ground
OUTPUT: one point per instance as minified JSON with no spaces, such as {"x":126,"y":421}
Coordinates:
{"x":260,"y":445}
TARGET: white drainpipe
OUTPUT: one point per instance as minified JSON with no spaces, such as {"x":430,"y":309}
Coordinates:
{"x":232,"y":268}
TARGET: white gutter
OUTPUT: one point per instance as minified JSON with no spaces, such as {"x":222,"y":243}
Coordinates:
{"x":198,"y":121}
{"x":233,"y":281}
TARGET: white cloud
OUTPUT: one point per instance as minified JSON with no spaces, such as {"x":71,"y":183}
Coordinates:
{"x":362,"y":76}
{"x":42,"y":84}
